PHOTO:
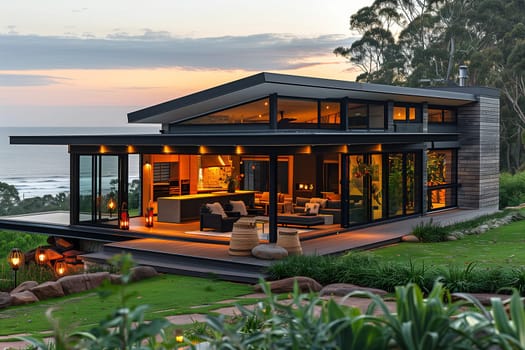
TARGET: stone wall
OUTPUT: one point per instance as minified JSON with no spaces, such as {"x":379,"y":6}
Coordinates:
{"x":478,"y":156}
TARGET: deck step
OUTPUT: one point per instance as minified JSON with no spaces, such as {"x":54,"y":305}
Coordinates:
{"x":186,"y":265}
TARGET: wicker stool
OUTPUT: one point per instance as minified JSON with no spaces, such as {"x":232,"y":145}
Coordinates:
{"x":289,"y":240}
{"x":244,"y":238}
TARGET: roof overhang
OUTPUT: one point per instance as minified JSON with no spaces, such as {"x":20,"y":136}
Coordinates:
{"x":263,"y":84}
{"x":259,"y":139}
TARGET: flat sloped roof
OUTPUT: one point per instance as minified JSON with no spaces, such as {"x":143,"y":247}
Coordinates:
{"x":263,"y":84}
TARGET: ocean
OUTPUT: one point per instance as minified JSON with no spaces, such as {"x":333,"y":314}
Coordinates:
{"x":37,"y":170}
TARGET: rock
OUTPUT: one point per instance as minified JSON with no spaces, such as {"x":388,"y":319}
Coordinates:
{"x":269,"y":252}
{"x":48,"y":290}
{"x":5,"y":300}
{"x":139,"y":273}
{"x":25,"y":297}
{"x":79,"y":283}
{"x":410,"y":238}
{"x":484,"y":228}
{"x":26,"y":285}
{"x":115,"y":278}
{"x":342,"y":289}
{"x":451,"y":238}
{"x":52,"y":255}
{"x":305,"y":284}
{"x":483,"y":298}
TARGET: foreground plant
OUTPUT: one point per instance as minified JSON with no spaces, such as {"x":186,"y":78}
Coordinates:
{"x":125,"y":328}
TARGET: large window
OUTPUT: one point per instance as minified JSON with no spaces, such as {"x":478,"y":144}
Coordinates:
{"x":307,"y":114}
{"x":366,"y":116}
{"x":255,"y":174}
{"x":441,"y":179}
{"x":293,"y":113}
{"x":407,"y":114}
{"x":99,"y":189}
{"x":256,"y":112}
{"x":441,"y":116}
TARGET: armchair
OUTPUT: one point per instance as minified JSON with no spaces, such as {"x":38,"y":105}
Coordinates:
{"x":212,"y":217}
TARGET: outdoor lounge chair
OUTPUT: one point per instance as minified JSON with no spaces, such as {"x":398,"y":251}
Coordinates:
{"x":217,"y":221}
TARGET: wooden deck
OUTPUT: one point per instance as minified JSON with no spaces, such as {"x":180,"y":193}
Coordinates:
{"x":212,"y":259}
{"x":169,"y":247}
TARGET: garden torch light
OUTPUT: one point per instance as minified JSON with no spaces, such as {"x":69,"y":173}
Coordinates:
{"x":15,"y":260}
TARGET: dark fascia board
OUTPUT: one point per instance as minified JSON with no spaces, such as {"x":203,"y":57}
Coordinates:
{"x":233,"y":139}
{"x":203,"y":95}
{"x":262,"y":84}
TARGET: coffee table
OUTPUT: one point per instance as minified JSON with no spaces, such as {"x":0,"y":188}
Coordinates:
{"x":300,"y":220}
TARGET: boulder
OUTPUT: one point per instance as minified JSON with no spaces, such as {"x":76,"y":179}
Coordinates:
{"x":26,"y":285}
{"x":142,"y":272}
{"x":48,"y":290}
{"x":342,"y":289}
{"x":483,"y":298}
{"x":79,"y":283}
{"x":5,"y":300}
{"x":25,"y":297}
{"x":305,"y":284}
{"x":269,"y":252}
{"x":115,"y":278}
{"x":410,"y":238}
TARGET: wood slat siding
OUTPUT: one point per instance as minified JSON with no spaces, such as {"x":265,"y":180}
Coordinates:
{"x":478,"y":156}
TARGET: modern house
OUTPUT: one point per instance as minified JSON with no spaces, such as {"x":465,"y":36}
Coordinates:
{"x":376,"y":153}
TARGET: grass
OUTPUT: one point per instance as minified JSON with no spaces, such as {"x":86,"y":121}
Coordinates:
{"x":166,"y":295}
{"x":502,"y":246}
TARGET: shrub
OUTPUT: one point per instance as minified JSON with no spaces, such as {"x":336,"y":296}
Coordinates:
{"x":511,"y":189}
{"x":429,"y":231}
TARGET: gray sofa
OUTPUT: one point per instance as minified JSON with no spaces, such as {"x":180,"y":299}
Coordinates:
{"x":332,"y":207}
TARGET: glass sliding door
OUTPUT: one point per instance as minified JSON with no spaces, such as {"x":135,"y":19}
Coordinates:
{"x":86,"y":199}
{"x":395,"y":184}
{"x":358,"y":199}
{"x":100,"y":195}
{"x":376,"y":186}
{"x":383,"y":185}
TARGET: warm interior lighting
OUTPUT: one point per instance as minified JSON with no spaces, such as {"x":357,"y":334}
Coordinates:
{"x":167,"y":149}
{"x":239,"y":150}
{"x":103,"y":149}
{"x":60,"y":268}
{"x":15,"y":258}
{"x":221,"y":161}
{"x":203,"y":150}
{"x":131,"y":149}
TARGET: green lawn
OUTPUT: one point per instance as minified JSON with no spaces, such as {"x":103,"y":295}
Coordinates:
{"x":166,"y":295}
{"x":503,"y":246}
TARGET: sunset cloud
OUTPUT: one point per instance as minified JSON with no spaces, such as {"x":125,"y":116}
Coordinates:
{"x":159,"y":49}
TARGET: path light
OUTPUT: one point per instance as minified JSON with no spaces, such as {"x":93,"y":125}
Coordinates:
{"x":40,"y":256}
{"x":15,"y":260}
{"x":179,"y":337}
{"x":60,"y":268}
{"x":124,"y":217}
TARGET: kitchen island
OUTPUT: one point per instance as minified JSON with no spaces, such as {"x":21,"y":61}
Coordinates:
{"x":185,"y":208}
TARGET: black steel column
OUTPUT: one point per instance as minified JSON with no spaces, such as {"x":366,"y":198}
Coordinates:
{"x":74,"y":196}
{"x":123,"y":179}
{"x":345,"y":191}
{"x":344,"y":114}
{"x":272,"y":209}
{"x":273,"y":111}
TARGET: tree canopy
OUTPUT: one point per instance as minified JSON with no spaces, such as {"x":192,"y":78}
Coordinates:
{"x":422,"y":43}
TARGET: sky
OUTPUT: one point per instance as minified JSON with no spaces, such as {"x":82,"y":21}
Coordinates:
{"x":89,"y":63}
